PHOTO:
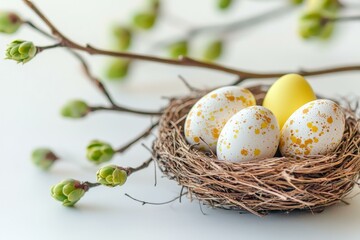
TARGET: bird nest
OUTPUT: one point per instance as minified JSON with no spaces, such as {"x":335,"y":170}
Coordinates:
{"x":258,"y":186}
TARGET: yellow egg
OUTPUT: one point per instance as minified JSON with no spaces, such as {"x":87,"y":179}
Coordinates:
{"x":286,"y":95}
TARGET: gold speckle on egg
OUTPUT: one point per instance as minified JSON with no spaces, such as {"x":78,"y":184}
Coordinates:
{"x":330,"y":120}
{"x":244,"y":152}
{"x":230,"y":97}
{"x":257,"y":152}
{"x":312,"y":127}
{"x":257,"y":131}
{"x":272,"y":126}
{"x":213,"y":95}
{"x":295,"y":140}
{"x":198,"y":113}
{"x":215,"y":133}
{"x":264,"y":125}
{"x":242,"y":99}
{"x":282,"y":142}
{"x":308,"y":141}
{"x":196,"y":139}
{"x":305,"y":111}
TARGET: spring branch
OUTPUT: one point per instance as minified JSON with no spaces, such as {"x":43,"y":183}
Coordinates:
{"x":184,"y":61}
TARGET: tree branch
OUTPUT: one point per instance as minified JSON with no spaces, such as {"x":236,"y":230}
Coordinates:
{"x":97,"y":82}
{"x":146,"y":133}
{"x":124,"y":109}
{"x":155,"y":203}
{"x":184,"y":61}
{"x":343,"y":19}
{"x":222,"y":29}
{"x":84,"y":64}
{"x":131,"y":170}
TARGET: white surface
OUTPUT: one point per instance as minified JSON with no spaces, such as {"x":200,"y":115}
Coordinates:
{"x":32,"y":94}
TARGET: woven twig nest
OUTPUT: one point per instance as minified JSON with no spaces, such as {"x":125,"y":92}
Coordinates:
{"x":258,"y":186}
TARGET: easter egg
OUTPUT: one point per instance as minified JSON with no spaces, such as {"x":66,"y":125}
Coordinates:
{"x":286,"y":95}
{"x":314,"y":129}
{"x":252,"y":133}
{"x":208,"y":116}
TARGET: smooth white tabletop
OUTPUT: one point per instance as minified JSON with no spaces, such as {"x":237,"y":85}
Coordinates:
{"x":31,"y":96}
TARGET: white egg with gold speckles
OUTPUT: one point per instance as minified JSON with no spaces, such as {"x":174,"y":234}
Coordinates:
{"x":252,"y":133}
{"x":316,"y":128}
{"x":208,"y":116}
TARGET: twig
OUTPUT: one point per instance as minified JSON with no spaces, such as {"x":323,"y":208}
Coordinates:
{"x":343,"y":19}
{"x":181,"y":193}
{"x":40,"y":49}
{"x":131,"y":170}
{"x":92,"y":78}
{"x":154,"y":203}
{"x":153,"y":157}
{"x":222,"y":29}
{"x":191,"y":88}
{"x":124,"y":109}
{"x":141,"y":136}
{"x":201,"y":209}
{"x":84,"y":64}
{"x":238,"y":81}
{"x":184,"y":61}
{"x":87,"y":185}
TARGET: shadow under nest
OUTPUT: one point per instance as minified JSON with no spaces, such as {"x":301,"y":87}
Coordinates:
{"x":260,"y":186}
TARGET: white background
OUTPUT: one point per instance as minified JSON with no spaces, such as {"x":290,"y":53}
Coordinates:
{"x":31,"y":95}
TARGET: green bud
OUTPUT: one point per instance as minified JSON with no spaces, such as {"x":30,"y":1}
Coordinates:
{"x":123,"y":37}
{"x":99,"y":152}
{"x":111,"y":176}
{"x":323,"y":5}
{"x":75,"y":109}
{"x":68,"y":192}
{"x":296,"y":2}
{"x":145,"y":20}
{"x":224,"y":4}
{"x":44,"y":158}
{"x":314,"y":24}
{"x":213,"y":50}
{"x":178,"y":49}
{"x":9,"y":22}
{"x":20,"y":51}
{"x":118,"y":69}
{"x":310,"y":25}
